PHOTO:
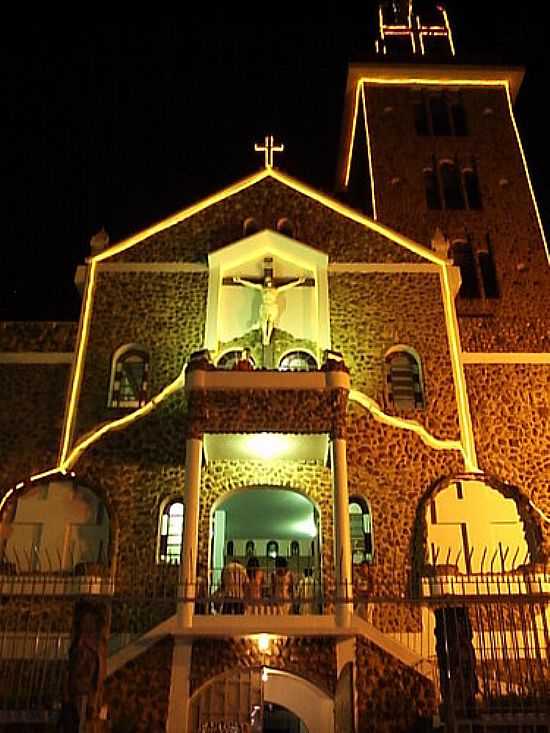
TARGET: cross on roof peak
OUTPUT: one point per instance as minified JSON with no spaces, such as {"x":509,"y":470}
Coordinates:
{"x":268,"y":149}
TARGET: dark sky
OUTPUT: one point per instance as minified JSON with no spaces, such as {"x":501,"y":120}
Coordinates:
{"x":120,"y":125}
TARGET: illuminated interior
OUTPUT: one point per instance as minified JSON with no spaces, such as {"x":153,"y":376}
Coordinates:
{"x":266,"y":447}
{"x":266,"y":523}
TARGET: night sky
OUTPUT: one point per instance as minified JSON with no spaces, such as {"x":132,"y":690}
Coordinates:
{"x":121,"y":125}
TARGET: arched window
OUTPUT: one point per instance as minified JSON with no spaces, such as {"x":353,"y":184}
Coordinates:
{"x":488,"y":271}
{"x":404,"y":380}
{"x":458,"y":116}
{"x":360,"y":525}
{"x":250,"y":226}
{"x":451,"y":185}
{"x":171,"y":532}
{"x":294,"y":548}
{"x":284,"y":226}
{"x":441,"y":124}
{"x":231,"y":358}
{"x":230,"y":548}
{"x":471,"y":186}
{"x":272,"y":549}
{"x":298,"y":361}
{"x":433,"y":198}
{"x":463,"y":257}
{"x":250,"y":548}
{"x":129,"y":377}
{"x":420,"y":115}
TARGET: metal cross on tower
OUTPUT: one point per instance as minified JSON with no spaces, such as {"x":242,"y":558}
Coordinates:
{"x":268,"y":149}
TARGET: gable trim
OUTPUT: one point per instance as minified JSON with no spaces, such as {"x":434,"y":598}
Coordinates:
{"x":302,"y":188}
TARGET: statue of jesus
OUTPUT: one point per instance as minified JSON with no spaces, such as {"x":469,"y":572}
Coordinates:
{"x":269,"y":310}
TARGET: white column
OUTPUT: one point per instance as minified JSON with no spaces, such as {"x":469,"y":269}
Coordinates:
{"x":342,"y":539}
{"x":191,"y":497}
{"x":178,"y":704}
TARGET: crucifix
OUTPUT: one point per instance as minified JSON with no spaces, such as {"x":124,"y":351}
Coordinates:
{"x":269,"y":288}
{"x":268,"y":149}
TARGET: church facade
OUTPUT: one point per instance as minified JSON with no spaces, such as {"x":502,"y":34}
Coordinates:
{"x":292,"y":467}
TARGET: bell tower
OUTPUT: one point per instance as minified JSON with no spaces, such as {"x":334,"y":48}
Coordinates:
{"x":430,"y":147}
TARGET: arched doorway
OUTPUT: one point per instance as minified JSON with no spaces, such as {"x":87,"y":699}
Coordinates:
{"x":267,"y":524}
{"x":262,"y":700}
{"x":278,"y":719}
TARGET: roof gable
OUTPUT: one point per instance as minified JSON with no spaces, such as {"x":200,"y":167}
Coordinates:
{"x":343,"y":234}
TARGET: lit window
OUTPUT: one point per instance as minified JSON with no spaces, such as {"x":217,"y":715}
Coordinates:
{"x":404,"y":380}
{"x":298,"y":361}
{"x":272,"y":549}
{"x":294,"y":548}
{"x":129,"y":379}
{"x":250,"y":548}
{"x":171,"y":532}
{"x":360,"y":530}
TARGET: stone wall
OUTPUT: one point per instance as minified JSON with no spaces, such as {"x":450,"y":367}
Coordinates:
{"x":313,"y":658}
{"x":267,"y":201}
{"x":517,"y":320}
{"x":370,"y":313}
{"x":392,"y":469}
{"x":391,"y":696}
{"x":137,"y":695}
{"x":43,"y":336}
{"x":162,"y":312}
{"x":31,"y":418}
{"x":511,"y":412}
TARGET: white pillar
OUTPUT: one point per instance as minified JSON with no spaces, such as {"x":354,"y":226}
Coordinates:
{"x":342,"y":538}
{"x":191,"y":497}
{"x":178,"y":704}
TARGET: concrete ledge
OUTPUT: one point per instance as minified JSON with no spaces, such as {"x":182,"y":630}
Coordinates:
{"x":220,"y":379}
{"x":36,"y":357}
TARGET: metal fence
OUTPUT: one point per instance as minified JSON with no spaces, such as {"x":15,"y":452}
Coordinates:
{"x":483,"y":639}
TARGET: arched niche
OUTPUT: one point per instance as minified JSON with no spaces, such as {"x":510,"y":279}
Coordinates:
{"x":476,"y":523}
{"x":56,"y":526}
{"x":232,"y":311}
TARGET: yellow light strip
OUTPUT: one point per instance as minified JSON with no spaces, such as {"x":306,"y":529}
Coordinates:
{"x":5,"y":500}
{"x":369,"y":150}
{"x":354,"y":123}
{"x":122,"y":422}
{"x":398,"y":422}
{"x":464,"y":416}
{"x":457,"y":82}
{"x":354,"y":215}
{"x":449,"y":31}
{"x":524,"y":159}
{"x":182,"y":215}
{"x":539,"y":511}
{"x":79,"y":364}
{"x":45,"y":474}
{"x":88,"y":440}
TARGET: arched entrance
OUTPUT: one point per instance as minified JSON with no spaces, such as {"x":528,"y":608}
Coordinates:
{"x":262,"y":700}
{"x":267,"y":525}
